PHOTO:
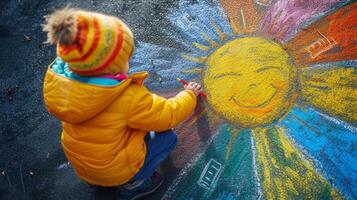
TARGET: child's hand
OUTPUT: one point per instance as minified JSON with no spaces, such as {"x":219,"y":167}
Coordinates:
{"x":195,"y":87}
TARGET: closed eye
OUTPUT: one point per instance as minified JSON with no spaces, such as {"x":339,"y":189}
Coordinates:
{"x":267,"y":68}
{"x":226,"y":74}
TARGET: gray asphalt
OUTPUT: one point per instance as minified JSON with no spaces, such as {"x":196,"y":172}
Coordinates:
{"x":32,"y":163}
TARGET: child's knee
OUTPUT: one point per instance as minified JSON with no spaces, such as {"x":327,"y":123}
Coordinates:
{"x":172,"y":139}
{"x":167,"y":138}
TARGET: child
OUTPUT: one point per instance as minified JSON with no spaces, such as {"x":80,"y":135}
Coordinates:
{"x":106,"y":114}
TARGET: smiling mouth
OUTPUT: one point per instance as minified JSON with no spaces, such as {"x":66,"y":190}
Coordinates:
{"x":263,"y":104}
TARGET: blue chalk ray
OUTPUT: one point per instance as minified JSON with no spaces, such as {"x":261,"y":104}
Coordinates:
{"x":164,"y":65}
{"x":189,"y":22}
{"x":193,"y":19}
{"x":331,"y":143}
{"x":345,"y":63}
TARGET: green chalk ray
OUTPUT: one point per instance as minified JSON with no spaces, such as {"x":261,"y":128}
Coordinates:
{"x":237,"y":178}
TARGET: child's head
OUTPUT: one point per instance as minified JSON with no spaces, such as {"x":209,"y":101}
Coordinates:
{"x":91,"y":43}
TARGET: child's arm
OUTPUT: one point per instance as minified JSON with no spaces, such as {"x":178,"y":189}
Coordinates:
{"x":149,"y":111}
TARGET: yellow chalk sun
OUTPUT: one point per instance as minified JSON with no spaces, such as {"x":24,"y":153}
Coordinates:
{"x":250,"y":81}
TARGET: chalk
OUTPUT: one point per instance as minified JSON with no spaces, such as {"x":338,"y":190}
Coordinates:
{"x":202,"y":94}
{"x":182,"y":81}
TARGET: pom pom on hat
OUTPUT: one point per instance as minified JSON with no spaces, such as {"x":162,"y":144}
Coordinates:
{"x":91,"y":43}
{"x":61,"y":26}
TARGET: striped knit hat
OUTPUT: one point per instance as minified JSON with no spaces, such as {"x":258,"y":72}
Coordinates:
{"x":91,"y":43}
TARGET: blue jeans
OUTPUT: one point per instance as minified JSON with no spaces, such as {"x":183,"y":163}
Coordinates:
{"x":158,"y":147}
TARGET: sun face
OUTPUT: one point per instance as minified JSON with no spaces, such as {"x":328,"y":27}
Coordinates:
{"x":250,"y":81}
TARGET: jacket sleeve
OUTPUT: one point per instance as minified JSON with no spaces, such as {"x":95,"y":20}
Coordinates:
{"x":151,"y":112}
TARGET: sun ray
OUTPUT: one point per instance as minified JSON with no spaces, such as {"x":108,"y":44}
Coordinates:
{"x":196,"y":117}
{"x":193,"y":71}
{"x":221,"y":34}
{"x":332,"y":90}
{"x":234,"y":27}
{"x":255,"y":167}
{"x":243,"y":20}
{"x":214,"y":118}
{"x":305,"y":66}
{"x":284,"y":17}
{"x":251,"y":21}
{"x":284,"y":172}
{"x":330,"y":39}
{"x":194,"y":59}
{"x":265,"y":3}
{"x":331,"y":150}
{"x":234,"y":134}
{"x":311,"y":128}
{"x":239,"y":167}
{"x":210,"y":40}
{"x":201,"y":46}
{"x":269,"y":24}
{"x":338,"y":122}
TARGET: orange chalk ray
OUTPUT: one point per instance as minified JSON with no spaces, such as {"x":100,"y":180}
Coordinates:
{"x":330,"y":39}
{"x":243,"y":14}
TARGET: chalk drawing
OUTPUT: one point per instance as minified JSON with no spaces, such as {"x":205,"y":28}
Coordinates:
{"x":333,"y":148}
{"x":320,"y":46}
{"x":243,"y":19}
{"x":232,"y":181}
{"x":345,"y":125}
{"x":63,"y":166}
{"x":184,"y":172}
{"x":264,"y":2}
{"x":234,"y":135}
{"x":293,"y":15}
{"x":254,"y":155}
{"x":210,"y":174}
{"x":338,"y":25}
{"x":332,"y":90}
{"x":282,"y":166}
{"x":249,"y":81}
{"x":291,"y":94}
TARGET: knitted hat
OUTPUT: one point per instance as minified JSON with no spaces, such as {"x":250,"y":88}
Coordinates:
{"x":91,"y":43}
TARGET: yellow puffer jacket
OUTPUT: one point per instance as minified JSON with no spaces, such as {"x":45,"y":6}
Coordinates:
{"x":104,"y":126}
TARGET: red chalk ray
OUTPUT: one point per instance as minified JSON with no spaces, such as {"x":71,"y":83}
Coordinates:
{"x":330,"y":39}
